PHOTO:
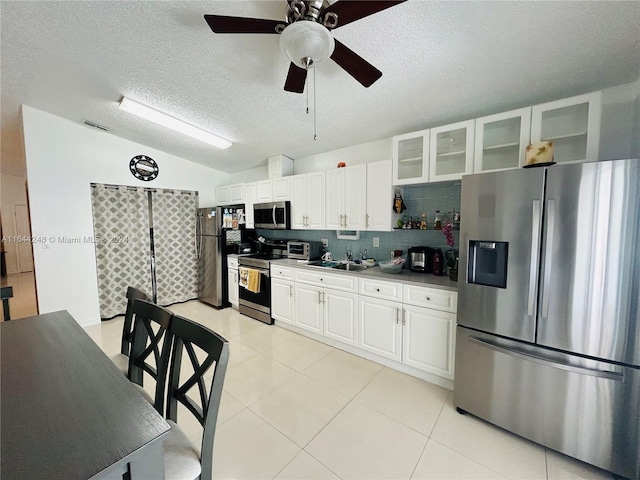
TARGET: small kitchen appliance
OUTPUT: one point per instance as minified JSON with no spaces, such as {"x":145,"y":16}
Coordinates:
{"x":421,"y":259}
{"x":304,"y":250}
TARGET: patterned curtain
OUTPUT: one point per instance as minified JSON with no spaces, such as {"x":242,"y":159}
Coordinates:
{"x":121,"y":232}
{"x":174,"y":226}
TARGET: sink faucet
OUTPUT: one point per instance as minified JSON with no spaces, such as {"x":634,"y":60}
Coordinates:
{"x":348,"y":255}
{"x":363,"y":256}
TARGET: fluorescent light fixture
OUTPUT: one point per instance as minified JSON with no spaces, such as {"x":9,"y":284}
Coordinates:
{"x":173,"y":123}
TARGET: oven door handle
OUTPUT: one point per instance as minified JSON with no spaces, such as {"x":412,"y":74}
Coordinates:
{"x":262,"y":271}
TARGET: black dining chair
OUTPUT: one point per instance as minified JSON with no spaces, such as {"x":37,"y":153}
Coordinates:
{"x":127,"y":329}
{"x":122,"y":359}
{"x":6,"y":293}
{"x":181,"y":458}
{"x":150,"y":349}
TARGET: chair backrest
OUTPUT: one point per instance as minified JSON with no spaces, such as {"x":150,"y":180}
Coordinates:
{"x":127,"y":329}
{"x":205,"y":406}
{"x":6,"y":293}
{"x":151,"y":343}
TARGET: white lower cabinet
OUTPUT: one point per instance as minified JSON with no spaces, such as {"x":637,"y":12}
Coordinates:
{"x":282,"y":301}
{"x":327,"y":312}
{"x":409,"y":324}
{"x":309,"y":308}
{"x":427,"y":340}
{"x":341,"y":316}
{"x":380,"y":329}
{"x":232,"y":275}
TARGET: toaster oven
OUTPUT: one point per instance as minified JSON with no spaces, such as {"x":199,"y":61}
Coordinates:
{"x":304,"y":250}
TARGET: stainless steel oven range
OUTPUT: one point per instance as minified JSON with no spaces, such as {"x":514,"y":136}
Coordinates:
{"x":256,"y":305}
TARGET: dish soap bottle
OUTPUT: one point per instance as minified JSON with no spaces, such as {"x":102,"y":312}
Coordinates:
{"x":437,"y":223}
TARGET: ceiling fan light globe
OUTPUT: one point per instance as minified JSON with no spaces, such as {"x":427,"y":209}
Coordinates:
{"x":306,"y":39}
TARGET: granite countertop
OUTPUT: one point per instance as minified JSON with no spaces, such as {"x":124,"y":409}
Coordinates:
{"x":405,"y":276}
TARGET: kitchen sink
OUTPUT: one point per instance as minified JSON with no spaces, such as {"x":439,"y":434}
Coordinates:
{"x":350,"y":267}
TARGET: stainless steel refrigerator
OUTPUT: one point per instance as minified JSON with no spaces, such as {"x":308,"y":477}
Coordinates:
{"x":548,"y":336}
{"x":213,"y":243}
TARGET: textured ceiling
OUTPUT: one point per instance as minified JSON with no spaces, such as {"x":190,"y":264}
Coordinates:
{"x":442,"y":61}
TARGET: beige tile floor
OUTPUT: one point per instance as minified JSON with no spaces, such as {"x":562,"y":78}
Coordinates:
{"x":293,"y":408}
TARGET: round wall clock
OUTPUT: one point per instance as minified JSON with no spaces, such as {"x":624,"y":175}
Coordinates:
{"x":144,"y":168}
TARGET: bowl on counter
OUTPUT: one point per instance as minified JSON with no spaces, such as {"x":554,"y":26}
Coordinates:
{"x":392,"y":266}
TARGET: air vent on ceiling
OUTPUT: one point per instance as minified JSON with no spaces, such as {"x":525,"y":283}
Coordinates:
{"x":89,"y":123}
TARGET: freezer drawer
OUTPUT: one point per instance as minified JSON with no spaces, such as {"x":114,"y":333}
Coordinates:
{"x":584,"y":408}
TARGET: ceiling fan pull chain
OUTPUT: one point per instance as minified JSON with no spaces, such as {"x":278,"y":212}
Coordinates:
{"x":315,"y":130}
{"x":306,"y":81}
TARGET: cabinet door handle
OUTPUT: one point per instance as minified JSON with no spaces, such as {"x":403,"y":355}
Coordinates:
{"x":404,"y":320}
{"x":367,"y":221}
{"x":397,"y":315}
{"x":324,"y":297}
{"x":319,"y":298}
{"x":345,"y":221}
{"x":291,"y":290}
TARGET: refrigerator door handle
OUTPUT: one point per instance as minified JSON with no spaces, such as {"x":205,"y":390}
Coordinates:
{"x":551,"y":212}
{"x":273,"y":214}
{"x":608,"y":374}
{"x":535,"y":252}
{"x":198,"y":238}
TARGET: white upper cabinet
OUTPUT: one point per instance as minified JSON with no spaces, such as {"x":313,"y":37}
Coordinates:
{"x":346,"y":198}
{"x":222,"y":195}
{"x":263,"y":191}
{"x":380,"y":216}
{"x":411,"y":158}
{"x":501,"y":140}
{"x":451,"y":151}
{"x":281,"y":189}
{"x":573,"y":124}
{"x":307,"y":201}
{"x":236,"y":193}
{"x":250,"y":196}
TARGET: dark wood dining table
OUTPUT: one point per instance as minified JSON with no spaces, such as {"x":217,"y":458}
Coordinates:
{"x":66,"y":411}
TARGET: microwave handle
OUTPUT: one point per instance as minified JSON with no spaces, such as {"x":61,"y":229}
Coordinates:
{"x":273,"y":214}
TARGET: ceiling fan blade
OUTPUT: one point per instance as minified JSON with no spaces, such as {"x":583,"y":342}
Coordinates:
{"x":224,"y":24}
{"x":349,"y":11}
{"x":295,"y":79}
{"x":355,"y":65}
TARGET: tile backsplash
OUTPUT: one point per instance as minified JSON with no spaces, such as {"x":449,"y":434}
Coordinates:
{"x":418,"y":199}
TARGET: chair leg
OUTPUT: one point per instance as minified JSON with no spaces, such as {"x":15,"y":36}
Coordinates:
{"x":5,"y":308}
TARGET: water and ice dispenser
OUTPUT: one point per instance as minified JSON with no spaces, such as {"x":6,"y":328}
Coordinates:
{"x":488,"y":263}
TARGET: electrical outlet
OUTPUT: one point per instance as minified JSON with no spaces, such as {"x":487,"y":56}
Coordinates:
{"x":325,"y":242}
{"x":376,"y":241}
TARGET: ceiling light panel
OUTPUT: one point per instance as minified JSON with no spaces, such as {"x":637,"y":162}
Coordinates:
{"x":173,"y":123}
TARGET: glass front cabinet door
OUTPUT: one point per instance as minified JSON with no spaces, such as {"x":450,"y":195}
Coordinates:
{"x":573,"y":124}
{"x":501,"y":140}
{"x":451,"y":152}
{"x":411,"y":158}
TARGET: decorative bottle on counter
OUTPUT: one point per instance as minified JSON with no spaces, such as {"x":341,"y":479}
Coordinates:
{"x":437,"y":263}
{"x":437,"y":222}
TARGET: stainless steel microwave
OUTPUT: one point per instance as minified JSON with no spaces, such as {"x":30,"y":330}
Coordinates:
{"x":272,"y":215}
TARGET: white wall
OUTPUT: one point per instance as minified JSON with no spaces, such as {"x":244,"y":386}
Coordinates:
{"x":617,"y":135}
{"x":12,"y":192}
{"x":354,"y":155}
{"x":63,"y":158}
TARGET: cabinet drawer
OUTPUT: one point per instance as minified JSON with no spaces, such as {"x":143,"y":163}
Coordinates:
{"x":381,"y":289}
{"x":232,"y":263}
{"x":443,"y":300}
{"x":343,"y":282}
{"x":281,"y":272}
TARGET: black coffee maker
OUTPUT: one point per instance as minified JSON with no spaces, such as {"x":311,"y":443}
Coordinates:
{"x":421,"y":259}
